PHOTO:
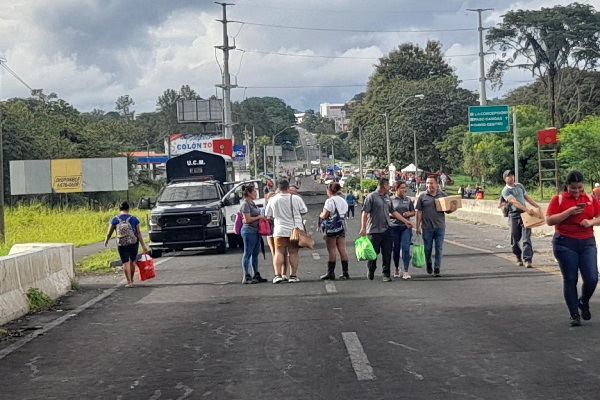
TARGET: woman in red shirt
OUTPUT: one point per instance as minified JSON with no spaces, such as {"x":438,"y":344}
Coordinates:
{"x":574,"y":214}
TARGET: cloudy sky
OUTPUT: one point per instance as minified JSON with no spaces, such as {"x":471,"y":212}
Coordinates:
{"x":90,"y":52}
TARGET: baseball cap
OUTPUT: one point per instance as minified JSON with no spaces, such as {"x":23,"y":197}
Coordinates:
{"x":507,"y":173}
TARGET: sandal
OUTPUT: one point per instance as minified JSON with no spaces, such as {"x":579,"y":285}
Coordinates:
{"x":129,"y":285}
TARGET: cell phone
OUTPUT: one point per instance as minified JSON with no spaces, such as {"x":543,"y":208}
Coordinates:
{"x":581,"y":205}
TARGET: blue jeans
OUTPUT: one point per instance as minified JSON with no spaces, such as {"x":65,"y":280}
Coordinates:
{"x":429,"y":236}
{"x":251,"y":249}
{"x":575,"y":255}
{"x":401,"y":238}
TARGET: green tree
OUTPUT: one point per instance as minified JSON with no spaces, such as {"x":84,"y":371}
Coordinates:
{"x":123,"y":107}
{"x":542,"y":41}
{"x":450,"y":148}
{"x":580,"y":147}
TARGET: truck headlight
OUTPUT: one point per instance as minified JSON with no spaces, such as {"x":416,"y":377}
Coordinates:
{"x":214,"y":218}
{"x":154,"y":219}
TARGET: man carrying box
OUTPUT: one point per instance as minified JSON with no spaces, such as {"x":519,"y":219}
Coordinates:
{"x":431,"y":223}
{"x":516,"y":195}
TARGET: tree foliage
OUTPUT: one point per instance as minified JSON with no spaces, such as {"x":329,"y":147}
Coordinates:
{"x":542,"y":41}
{"x":580,"y":147}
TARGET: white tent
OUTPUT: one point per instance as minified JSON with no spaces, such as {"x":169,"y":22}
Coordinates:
{"x":411,"y":168}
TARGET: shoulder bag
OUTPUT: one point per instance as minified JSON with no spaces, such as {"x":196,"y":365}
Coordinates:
{"x":334,"y":225}
{"x":300,"y":236}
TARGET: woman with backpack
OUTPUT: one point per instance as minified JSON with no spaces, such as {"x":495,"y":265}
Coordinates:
{"x":251,"y":217}
{"x":334,"y":226}
{"x":574,"y":214}
{"x":129,"y":237}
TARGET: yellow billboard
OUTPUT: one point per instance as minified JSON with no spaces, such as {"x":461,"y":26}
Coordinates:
{"x":66,"y":175}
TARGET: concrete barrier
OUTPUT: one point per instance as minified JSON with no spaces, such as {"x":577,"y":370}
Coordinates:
{"x":487,"y":212}
{"x":48,"y":267}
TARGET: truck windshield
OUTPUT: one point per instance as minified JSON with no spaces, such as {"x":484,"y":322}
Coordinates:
{"x":189,"y":193}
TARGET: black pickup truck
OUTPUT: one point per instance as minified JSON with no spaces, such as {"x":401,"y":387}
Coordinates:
{"x":189,"y":211}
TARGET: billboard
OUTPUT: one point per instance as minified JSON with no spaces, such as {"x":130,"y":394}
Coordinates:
{"x":199,"y":111}
{"x":178,"y":144}
{"x":239,"y":153}
{"x":68,"y":175}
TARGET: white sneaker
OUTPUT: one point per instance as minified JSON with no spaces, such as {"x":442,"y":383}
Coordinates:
{"x":293,"y":279}
{"x":397,"y":274}
{"x":406,"y":276}
{"x":277,"y":279}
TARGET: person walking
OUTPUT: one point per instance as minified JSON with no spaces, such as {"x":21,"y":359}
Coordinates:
{"x":443,"y":180}
{"x":400,"y":232}
{"x":574,"y":214}
{"x":351,"y":202}
{"x":286,"y":210}
{"x":515,"y":194}
{"x":271,"y":241}
{"x":251,"y":215}
{"x":335,"y":206}
{"x":375,"y":221}
{"x":129,"y":238}
{"x":431,"y":223}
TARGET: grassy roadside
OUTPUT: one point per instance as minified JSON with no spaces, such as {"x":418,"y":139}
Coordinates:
{"x":99,"y":262}
{"x":492,"y":192}
{"x":38,"y":223}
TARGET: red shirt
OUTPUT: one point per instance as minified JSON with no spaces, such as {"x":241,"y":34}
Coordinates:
{"x":570,"y":226}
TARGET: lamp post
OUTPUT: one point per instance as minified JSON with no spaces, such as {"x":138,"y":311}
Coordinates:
{"x":273,"y":150}
{"x":387,"y":130}
{"x":360,"y":161}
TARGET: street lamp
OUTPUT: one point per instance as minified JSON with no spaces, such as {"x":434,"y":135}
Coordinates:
{"x":273,"y":150}
{"x":387,"y":129}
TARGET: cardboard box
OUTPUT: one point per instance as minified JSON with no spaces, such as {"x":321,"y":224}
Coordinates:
{"x":448,"y":203}
{"x":533,"y":221}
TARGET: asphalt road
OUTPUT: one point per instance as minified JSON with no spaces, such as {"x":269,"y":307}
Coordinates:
{"x":485,"y":330}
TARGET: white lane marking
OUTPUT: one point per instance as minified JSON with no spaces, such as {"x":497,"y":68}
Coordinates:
{"x":403,"y":345}
{"x":316,"y":256}
{"x":360,"y":362}
{"x":22,"y":342}
{"x":330,"y":287}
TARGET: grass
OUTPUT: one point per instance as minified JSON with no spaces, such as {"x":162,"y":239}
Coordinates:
{"x":38,"y":300}
{"x":99,"y":262}
{"x":38,"y":223}
{"x":492,"y":192}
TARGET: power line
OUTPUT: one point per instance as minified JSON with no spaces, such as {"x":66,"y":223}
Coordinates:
{"x":353,"y":30}
{"x":334,"y":57}
{"x":17,"y":77}
{"x":303,"y":87}
{"x":342,"y":11}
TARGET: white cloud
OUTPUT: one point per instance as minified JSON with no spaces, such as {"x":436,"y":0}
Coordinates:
{"x":91,"y":52}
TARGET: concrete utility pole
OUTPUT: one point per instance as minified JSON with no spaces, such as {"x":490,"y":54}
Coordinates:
{"x":482,"y":79}
{"x":226,"y":83}
{"x":387,"y":139}
{"x":254,"y":153}
{"x":360,"y":154}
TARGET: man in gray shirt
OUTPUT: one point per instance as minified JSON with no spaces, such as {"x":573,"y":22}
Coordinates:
{"x":375,"y":221}
{"x":431,"y":223}
{"x":517,"y":197}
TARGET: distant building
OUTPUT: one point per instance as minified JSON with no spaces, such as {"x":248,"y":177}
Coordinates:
{"x":300,"y":117}
{"x":335,"y":112}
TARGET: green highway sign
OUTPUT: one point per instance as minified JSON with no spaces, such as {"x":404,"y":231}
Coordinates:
{"x":486,"y":119}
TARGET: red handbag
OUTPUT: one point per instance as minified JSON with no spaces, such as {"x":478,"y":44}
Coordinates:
{"x":146,"y":267}
{"x":264,"y":227}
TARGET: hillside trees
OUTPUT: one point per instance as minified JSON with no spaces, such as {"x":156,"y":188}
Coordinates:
{"x":392,"y":89}
{"x":542,"y":41}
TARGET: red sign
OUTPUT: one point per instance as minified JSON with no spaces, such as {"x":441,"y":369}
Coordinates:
{"x":223,"y":146}
{"x":547,"y":136}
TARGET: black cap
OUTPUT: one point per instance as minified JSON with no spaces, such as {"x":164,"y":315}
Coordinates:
{"x":507,"y":173}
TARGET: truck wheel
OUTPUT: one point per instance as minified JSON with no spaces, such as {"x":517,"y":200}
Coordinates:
{"x":233,"y":240}
{"x":156,"y":253}
{"x":222,"y":247}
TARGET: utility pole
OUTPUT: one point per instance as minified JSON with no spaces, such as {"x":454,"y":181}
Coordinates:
{"x":2,"y":231}
{"x":360,"y":161}
{"x":254,"y":153}
{"x":226,"y":82}
{"x":387,"y":140}
{"x":482,"y":94}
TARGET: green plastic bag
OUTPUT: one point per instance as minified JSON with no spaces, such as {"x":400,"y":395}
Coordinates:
{"x":418,"y":256}
{"x":364,"y":249}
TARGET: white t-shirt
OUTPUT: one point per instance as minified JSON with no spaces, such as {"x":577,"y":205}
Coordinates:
{"x":341,"y":204}
{"x":280,"y":209}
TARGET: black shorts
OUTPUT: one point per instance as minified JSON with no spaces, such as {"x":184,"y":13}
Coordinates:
{"x":128,"y":253}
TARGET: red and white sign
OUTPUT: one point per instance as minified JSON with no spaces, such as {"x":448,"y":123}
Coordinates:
{"x":178,"y":144}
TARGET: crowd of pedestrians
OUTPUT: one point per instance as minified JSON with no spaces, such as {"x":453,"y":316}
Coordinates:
{"x":387,"y":222}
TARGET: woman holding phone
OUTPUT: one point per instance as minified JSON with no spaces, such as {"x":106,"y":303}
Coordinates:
{"x":574,"y":214}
